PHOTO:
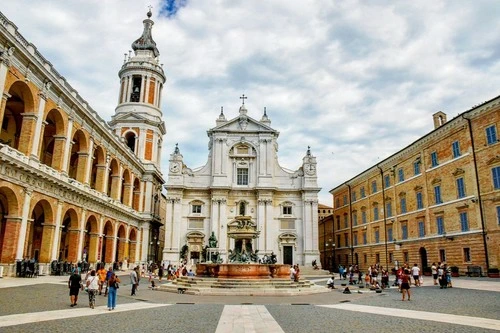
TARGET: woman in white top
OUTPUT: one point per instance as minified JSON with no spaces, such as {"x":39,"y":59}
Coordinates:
{"x":92,"y":286}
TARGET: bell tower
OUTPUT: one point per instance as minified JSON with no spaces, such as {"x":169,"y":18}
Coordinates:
{"x":138,"y":117}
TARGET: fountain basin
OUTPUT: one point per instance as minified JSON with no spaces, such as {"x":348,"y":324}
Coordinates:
{"x":243,"y":271}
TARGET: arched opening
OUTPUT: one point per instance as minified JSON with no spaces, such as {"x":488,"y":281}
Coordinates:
{"x":121,"y":243}
{"x":133,"y":245}
{"x":113,"y":180}
{"x":68,"y":243}
{"x":40,"y":228}
{"x":107,"y":243}
{"x":126,"y":186}
{"x":136,"y":190}
{"x":423,"y":258}
{"x":91,"y":239}
{"x":130,"y":140}
{"x":52,"y":149}
{"x":9,"y":225}
{"x":98,"y":169}
{"x":78,"y":157}
{"x":19,"y":103}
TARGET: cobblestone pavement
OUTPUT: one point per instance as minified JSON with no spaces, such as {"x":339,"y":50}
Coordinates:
{"x":42,"y":305}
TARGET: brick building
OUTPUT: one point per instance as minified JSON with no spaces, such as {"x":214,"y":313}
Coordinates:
{"x":437,"y":199}
{"x":73,"y":187}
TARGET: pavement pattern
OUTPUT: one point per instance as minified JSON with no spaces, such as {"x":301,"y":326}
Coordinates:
{"x":42,"y":305}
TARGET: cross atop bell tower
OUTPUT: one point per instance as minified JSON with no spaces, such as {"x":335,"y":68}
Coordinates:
{"x":138,"y":117}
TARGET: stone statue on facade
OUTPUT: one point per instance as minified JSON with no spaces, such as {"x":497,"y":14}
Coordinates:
{"x":212,"y":241}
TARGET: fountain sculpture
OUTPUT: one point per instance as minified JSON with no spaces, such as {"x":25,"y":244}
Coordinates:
{"x":243,"y":260}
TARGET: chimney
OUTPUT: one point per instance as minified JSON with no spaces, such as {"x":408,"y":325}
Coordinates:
{"x":439,"y":119}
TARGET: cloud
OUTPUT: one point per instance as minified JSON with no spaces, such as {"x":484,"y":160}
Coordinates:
{"x":356,"y":81}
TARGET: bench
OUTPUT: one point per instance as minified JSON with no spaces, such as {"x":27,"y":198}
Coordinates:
{"x":474,"y":271}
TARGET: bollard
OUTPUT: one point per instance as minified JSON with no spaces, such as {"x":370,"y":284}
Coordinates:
{"x":40,"y":270}
{"x":1,"y":271}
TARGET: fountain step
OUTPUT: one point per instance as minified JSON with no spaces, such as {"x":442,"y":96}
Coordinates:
{"x":244,"y":291}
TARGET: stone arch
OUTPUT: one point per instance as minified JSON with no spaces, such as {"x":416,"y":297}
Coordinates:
{"x":108,"y":232}
{"x":78,"y":156}
{"x":126,"y":187}
{"x":16,"y":130}
{"x":98,"y":172}
{"x":121,"y":243}
{"x":113,"y":179}
{"x":132,"y":245}
{"x":131,"y":139}
{"x":136,"y":193}
{"x":40,"y":231}
{"x":91,"y":241}
{"x":9,"y":226}
{"x":68,"y":241}
{"x":53,"y":140}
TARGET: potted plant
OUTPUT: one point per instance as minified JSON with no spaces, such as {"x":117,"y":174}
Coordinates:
{"x":427,"y":271}
{"x":493,"y":273}
{"x":454,"y":271}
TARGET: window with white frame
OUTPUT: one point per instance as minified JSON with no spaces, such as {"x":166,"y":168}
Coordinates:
{"x":491,"y":134}
{"x":287,"y":210}
{"x":242,"y":176}
{"x":196,"y":209}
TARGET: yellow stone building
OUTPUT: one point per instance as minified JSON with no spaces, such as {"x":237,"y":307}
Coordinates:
{"x":73,"y":187}
{"x":437,"y":199}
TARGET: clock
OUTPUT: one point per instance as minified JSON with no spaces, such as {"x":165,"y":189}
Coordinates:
{"x":310,"y":169}
{"x":175,"y":167}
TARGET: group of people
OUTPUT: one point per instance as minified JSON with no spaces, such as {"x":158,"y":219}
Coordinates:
{"x":94,"y":282}
{"x":441,"y":274}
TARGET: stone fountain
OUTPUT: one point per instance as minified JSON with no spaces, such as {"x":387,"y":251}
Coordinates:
{"x":243,"y":260}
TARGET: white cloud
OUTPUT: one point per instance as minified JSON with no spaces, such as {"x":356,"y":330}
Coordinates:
{"x":356,"y":81}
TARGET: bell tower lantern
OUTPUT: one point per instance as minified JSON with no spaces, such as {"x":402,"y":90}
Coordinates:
{"x":138,"y":117}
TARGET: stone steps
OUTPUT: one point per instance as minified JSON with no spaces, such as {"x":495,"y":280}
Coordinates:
{"x":255,"y":287}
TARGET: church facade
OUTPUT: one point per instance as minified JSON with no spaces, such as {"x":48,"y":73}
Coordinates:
{"x":242,"y":178}
{"x":72,"y":186}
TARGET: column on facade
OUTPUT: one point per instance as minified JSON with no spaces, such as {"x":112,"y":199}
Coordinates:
{"x":4,"y":69}
{"x":39,"y":126}
{"x":88,"y":166}
{"x":3,"y":103}
{"x":214,"y":217}
{"x":145,"y":242}
{"x":268,"y":215}
{"x":262,"y":159}
{"x":222,"y":236}
{"x":129,"y":88}
{"x":81,"y":235}
{"x":57,"y":233}
{"x":148,"y":195}
{"x":67,"y":146}
{"x":146,"y":91}
{"x":269,"y":156}
{"x":141,"y":196}
{"x":143,"y":89}
{"x":142,"y":144}
{"x":261,"y":218}
{"x":27,"y":132}
{"x":24,"y":224}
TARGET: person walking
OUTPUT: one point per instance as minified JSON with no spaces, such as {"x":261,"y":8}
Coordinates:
{"x":102,"y":277}
{"x":74,"y":285}
{"x":108,"y":276}
{"x":415,"y":271}
{"x":92,"y":287}
{"x":434,"y":272}
{"x":134,"y":281}
{"x":405,"y":284}
{"x":113,"y":285}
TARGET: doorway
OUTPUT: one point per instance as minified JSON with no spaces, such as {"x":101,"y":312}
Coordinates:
{"x":288,"y":255}
{"x":423,"y":258}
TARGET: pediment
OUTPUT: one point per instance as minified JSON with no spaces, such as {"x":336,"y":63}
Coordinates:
{"x":128,"y":116}
{"x":242,"y":124}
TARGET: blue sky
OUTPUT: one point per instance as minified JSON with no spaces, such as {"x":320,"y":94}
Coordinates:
{"x":355,"y":80}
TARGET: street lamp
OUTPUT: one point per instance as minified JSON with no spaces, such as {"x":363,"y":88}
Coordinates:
{"x":331,"y":263}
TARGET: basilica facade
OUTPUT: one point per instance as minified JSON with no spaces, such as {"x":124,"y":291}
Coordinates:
{"x":242,"y":179}
{"x":72,"y":186}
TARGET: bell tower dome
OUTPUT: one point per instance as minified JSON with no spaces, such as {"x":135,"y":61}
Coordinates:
{"x":138,"y":117}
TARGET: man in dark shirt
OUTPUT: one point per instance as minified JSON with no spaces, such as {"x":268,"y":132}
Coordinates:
{"x":74,"y":285}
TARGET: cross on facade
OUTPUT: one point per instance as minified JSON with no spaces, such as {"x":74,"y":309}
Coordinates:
{"x":243,"y":98}
{"x":150,"y":7}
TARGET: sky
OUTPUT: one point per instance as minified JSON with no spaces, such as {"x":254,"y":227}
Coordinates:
{"x":355,"y":80}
